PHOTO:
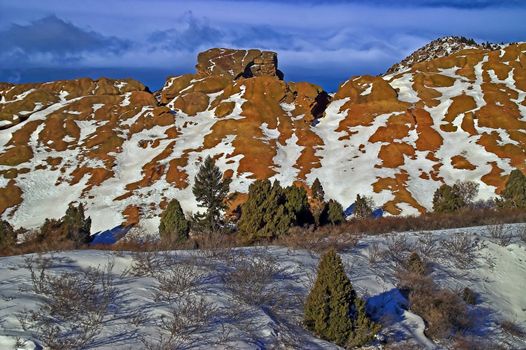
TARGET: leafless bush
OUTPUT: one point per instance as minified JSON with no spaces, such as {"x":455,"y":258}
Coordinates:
{"x":500,"y":234}
{"x":465,"y":342}
{"x":184,"y":324}
{"x":398,"y":249}
{"x":146,"y":263}
{"x":443,"y":310}
{"x":74,"y":305}
{"x":461,"y":249}
{"x":427,"y":246}
{"x":177,"y":279}
{"x":522,"y":234}
{"x":512,"y":328}
{"x":252,"y":278}
{"x":376,"y":255}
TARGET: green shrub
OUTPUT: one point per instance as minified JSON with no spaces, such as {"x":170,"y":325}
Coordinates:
{"x":447,"y":200}
{"x":514,"y":194}
{"x":333,"y":311}
{"x":332,"y":213}
{"x":174,"y":227}
{"x":363,"y":207}
{"x":265,"y":215}
{"x":73,"y":227}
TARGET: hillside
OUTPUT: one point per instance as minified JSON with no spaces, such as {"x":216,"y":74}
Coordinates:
{"x":263,"y":311}
{"x":123,"y":150}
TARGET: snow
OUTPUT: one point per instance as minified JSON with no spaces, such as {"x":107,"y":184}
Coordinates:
{"x":495,"y":276}
{"x":4,"y":123}
{"x":126,"y":101}
{"x":285,"y":159}
{"x":405,"y":90}
{"x":367,"y":90}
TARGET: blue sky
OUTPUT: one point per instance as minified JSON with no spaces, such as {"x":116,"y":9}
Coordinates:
{"x":324,"y":42}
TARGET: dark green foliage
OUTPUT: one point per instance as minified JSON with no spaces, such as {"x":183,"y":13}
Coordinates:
{"x":514,"y":194}
{"x":364,"y":329}
{"x":333,"y":311}
{"x":210,"y":190}
{"x":265,"y":214}
{"x":7,"y":235}
{"x":174,"y":227}
{"x":317,"y":190}
{"x":447,"y":200}
{"x":363,"y":207}
{"x":297,"y":203}
{"x":73,"y":227}
{"x":415,"y":264}
{"x":332,"y":213}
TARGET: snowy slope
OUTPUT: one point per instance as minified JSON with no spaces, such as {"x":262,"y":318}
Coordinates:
{"x":495,"y":274}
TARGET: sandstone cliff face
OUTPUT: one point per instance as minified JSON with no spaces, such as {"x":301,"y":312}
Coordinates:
{"x":238,"y":63}
{"x":113,"y":146}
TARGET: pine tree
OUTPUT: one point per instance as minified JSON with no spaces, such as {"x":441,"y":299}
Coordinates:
{"x":210,"y":190}
{"x":328,"y":305}
{"x":297,"y":203}
{"x":514,"y":194}
{"x":332,"y":213}
{"x":7,"y":235}
{"x":75,"y":226}
{"x":447,"y":200}
{"x":363,"y":207}
{"x":317,"y":190}
{"x":174,"y":227}
{"x":317,"y":202}
{"x":333,"y":311}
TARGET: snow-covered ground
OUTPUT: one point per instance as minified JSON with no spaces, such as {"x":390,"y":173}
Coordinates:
{"x":251,"y":298}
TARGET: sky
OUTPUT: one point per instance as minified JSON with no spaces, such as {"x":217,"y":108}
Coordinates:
{"x":324,"y":42}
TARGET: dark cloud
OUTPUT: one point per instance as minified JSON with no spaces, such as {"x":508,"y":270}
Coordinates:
{"x":51,"y":39}
{"x":462,"y":4}
{"x":191,"y":33}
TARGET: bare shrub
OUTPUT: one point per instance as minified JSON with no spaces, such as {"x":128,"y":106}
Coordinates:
{"x":177,"y":279}
{"x":512,"y":328}
{"x":252,"y":279}
{"x":398,"y":249}
{"x":443,"y":310}
{"x":500,"y":234}
{"x":74,"y":305}
{"x":336,"y":237}
{"x":376,"y":254}
{"x":461,"y":249}
{"x":522,"y":234}
{"x":427,"y":246}
{"x":184,"y":324}
{"x":469,"y":296}
{"x":466,"y":342}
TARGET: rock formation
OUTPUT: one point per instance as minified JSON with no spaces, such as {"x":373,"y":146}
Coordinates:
{"x":111,"y":145}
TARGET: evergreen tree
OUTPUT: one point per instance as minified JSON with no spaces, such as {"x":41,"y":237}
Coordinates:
{"x":363,"y":207}
{"x":317,"y":190}
{"x":297,"y":204}
{"x":75,"y":226}
{"x":173,"y":226}
{"x":210,"y":190}
{"x":332,"y":213}
{"x":7,"y":235}
{"x":333,"y":311}
{"x":514,"y":194}
{"x":447,"y":200}
{"x":328,"y":305}
{"x":264,"y":215}
{"x":317,"y":202}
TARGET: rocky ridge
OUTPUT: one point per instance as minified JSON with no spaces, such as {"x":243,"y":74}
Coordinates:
{"x":112,"y":145}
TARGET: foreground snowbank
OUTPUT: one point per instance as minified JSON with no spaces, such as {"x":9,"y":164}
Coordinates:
{"x":254,"y":295}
